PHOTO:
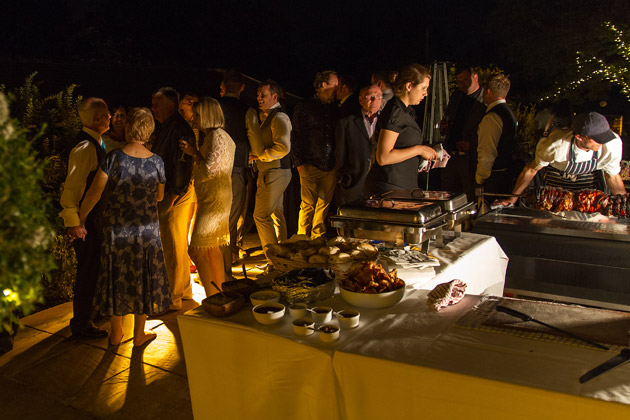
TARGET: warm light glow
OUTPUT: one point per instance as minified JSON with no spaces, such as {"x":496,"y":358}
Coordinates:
{"x":599,"y":69}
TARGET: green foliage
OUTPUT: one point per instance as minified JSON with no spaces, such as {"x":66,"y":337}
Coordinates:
{"x":526,"y":137}
{"x":26,"y":232}
{"x":56,"y":118}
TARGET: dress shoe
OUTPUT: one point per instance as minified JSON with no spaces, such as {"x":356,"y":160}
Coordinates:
{"x":89,"y":333}
{"x":175,"y":306}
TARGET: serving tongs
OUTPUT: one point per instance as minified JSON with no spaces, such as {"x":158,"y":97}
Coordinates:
{"x":528,"y":318}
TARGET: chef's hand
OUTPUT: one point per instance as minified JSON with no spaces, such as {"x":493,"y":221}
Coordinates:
{"x":427,"y":152}
{"x":505,"y":202}
{"x":77,"y":232}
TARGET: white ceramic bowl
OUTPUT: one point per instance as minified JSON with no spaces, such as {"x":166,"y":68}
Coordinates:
{"x":372,"y":300}
{"x":321,"y":314}
{"x":268,"y":313}
{"x":297,"y":310}
{"x":348,"y":318}
{"x":303,"y":326}
{"x":328,"y":333}
{"x":264,"y":296}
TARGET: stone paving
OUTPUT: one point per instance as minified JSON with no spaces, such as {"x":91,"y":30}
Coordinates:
{"x":49,"y":375}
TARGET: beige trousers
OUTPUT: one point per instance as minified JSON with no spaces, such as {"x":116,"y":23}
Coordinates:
{"x":316,"y":190}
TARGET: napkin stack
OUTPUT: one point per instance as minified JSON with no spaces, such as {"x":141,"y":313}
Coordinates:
{"x":446,"y":294}
{"x":408,"y":258}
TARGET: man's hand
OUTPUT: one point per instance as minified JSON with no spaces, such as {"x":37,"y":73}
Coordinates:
{"x":77,"y":232}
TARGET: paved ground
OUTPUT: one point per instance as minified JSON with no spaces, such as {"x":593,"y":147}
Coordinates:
{"x":49,"y":375}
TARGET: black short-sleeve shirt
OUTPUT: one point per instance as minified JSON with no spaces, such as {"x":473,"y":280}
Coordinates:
{"x":398,"y":117}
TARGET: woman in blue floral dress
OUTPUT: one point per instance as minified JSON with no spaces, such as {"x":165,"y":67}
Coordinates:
{"x":132,"y":278}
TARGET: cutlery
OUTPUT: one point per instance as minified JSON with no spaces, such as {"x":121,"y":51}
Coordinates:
{"x":619,"y":359}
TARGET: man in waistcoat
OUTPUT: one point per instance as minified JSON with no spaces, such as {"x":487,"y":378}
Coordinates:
{"x":84,"y":161}
{"x":271,"y":155}
{"x":496,"y":138}
{"x":241,"y":123}
{"x":179,"y":195}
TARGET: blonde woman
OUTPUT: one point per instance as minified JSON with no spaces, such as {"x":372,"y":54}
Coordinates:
{"x":212,"y":174}
{"x":132,"y":279}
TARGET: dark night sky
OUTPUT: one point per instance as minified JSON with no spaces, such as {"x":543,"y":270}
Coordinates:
{"x":291,"y":40}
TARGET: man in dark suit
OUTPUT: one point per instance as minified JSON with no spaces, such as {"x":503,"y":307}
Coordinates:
{"x":346,"y":95}
{"x":355,"y":142}
{"x":85,"y":158}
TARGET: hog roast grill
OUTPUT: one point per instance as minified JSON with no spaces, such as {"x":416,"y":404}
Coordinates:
{"x":568,"y":256}
{"x":399,"y":217}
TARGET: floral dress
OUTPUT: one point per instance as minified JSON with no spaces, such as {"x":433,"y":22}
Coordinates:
{"x":133,"y":277}
{"x":212,"y":174}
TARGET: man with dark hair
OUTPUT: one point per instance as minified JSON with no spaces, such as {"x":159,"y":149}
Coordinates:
{"x":84,"y":161}
{"x":348,"y":103}
{"x":174,"y":209}
{"x":312,"y":149}
{"x":497,"y":137}
{"x":241,"y":123}
{"x":463,"y":114}
{"x":384,"y":80}
{"x":355,"y":139}
{"x":271,"y":155}
{"x":186,"y":106}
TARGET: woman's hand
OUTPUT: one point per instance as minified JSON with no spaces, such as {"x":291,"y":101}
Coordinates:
{"x":187,"y":148}
{"x":427,"y":152}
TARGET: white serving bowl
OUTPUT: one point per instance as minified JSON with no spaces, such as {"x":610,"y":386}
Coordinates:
{"x":297,"y":310}
{"x":303,"y":326}
{"x":268,"y":313}
{"x":372,"y":300}
{"x":321,"y":314}
{"x":348,"y":318}
{"x":264,"y":296}
{"x":328,"y":333}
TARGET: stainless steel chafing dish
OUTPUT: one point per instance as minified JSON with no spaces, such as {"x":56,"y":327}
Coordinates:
{"x":454,"y":205}
{"x":399,"y":217}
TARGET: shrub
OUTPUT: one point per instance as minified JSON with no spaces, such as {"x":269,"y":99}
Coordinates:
{"x":26,"y":232}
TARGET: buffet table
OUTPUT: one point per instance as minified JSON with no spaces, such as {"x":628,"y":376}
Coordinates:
{"x":401,"y":362}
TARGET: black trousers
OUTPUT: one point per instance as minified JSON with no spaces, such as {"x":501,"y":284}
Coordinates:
{"x":88,"y":267}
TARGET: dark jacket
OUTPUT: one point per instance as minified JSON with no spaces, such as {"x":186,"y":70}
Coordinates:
{"x":313,"y":134}
{"x":234,"y":111}
{"x":166,"y":139}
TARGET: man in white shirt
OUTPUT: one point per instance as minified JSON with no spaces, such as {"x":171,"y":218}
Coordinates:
{"x":571,"y":157}
{"x":497,"y":137}
{"x":83,"y":163}
{"x":271,"y":153}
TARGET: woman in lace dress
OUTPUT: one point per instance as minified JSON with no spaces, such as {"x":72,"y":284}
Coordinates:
{"x":133,"y":277}
{"x":212,"y":174}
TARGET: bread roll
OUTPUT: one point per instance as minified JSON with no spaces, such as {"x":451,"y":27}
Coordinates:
{"x":307,"y":252}
{"x":318,"y":242}
{"x":341,"y":257}
{"x":336,"y":241}
{"x":357,"y":255}
{"x":328,"y":250}
{"x":318,"y":259}
{"x":279,"y":250}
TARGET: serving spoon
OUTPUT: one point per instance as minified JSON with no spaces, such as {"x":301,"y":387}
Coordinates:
{"x":218,"y":288}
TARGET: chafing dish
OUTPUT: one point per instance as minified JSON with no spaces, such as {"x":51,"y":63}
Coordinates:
{"x":391,"y":220}
{"x":454,"y":205}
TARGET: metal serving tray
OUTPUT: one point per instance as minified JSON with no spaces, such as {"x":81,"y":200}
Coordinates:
{"x":390,"y":210}
{"x":447,"y":201}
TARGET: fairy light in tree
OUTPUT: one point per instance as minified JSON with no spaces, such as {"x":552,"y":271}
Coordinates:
{"x":597,"y":68}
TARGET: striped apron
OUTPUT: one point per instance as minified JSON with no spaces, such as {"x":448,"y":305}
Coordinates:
{"x":576,"y":176}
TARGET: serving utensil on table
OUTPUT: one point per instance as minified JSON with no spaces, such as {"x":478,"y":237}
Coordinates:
{"x":619,"y":359}
{"x":218,"y":288}
{"x":527,"y":318}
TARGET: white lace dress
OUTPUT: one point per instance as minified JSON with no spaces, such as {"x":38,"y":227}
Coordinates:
{"x":212,"y":174}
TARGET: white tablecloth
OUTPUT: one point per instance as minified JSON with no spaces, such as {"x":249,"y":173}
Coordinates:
{"x":402,"y":362}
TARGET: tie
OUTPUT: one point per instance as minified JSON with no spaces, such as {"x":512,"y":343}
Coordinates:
{"x":103,"y":145}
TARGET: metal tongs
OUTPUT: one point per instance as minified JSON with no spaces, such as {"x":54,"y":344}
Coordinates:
{"x":527,"y":318}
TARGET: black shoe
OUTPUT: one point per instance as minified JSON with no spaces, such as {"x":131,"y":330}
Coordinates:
{"x":90,"y":333}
